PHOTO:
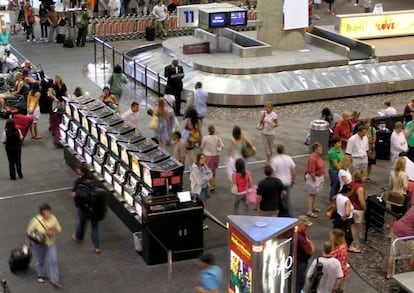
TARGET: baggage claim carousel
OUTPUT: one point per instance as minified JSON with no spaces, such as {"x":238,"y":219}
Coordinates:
{"x":244,"y":72}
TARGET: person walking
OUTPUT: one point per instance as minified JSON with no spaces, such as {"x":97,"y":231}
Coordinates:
{"x":269,"y":121}
{"x":335,"y":155}
{"x":270,"y":193}
{"x":285,"y":169}
{"x":175,"y":74}
{"x":45,"y":222}
{"x":81,"y":196}
{"x":332,"y":274}
{"x":117,"y":82}
{"x":372,"y":138}
{"x":33,"y":109}
{"x":340,"y":252}
{"x":200,"y":101}
{"x":191,"y":133}
{"x":43,"y":21}
{"x":200,"y":176}
{"x":211,"y":276}
{"x":161,"y":133}
{"x":211,"y":146}
{"x":304,"y":250}
{"x":29,"y":18}
{"x":82,"y":21}
{"x":172,"y":121}
{"x":241,"y":181}
{"x":314,"y":177}
{"x":12,"y":139}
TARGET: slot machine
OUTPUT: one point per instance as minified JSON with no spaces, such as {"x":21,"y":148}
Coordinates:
{"x":72,"y":133}
{"x":75,"y":103}
{"x":109,"y":168}
{"x":80,"y":141}
{"x":98,"y":114}
{"x":99,"y":159}
{"x":163,"y":177}
{"x":129,"y":153}
{"x":95,"y":120}
{"x":106,"y":123}
{"x":90,"y":149}
{"x":89,"y":109}
{"x":63,"y":128}
{"x":119,"y":179}
{"x":113,"y":132}
{"x":130,"y":137}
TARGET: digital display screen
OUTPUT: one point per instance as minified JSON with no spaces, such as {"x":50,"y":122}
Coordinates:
{"x":114,"y":147}
{"x":124,"y":156}
{"x":85,"y":122}
{"x":138,"y":209}
{"x":67,"y":108}
{"x":135,"y":166}
{"x":76,"y":114}
{"x":97,"y":166}
{"x":62,"y":134}
{"x":108,"y":177}
{"x":94,"y":131}
{"x":103,"y":139}
{"x":90,"y":145}
{"x":110,"y":164}
{"x":147,"y":177}
{"x":101,"y":152}
{"x":217,"y":19}
{"x":118,"y":187}
{"x":71,"y":143}
{"x":79,"y":149}
{"x":88,"y":158}
{"x":65,"y":120}
{"x":238,"y":18}
{"x":129,"y":199}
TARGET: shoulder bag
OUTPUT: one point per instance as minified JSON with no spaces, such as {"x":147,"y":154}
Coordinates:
{"x":247,"y":149}
{"x":396,"y":199}
{"x":154,"y":124}
{"x":36,"y":236}
{"x":251,"y":195}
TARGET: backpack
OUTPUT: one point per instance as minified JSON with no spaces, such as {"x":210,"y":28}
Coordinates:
{"x":98,"y":204}
{"x":82,"y":198}
{"x":316,"y":276}
{"x":80,"y":19}
{"x":31,"y":17}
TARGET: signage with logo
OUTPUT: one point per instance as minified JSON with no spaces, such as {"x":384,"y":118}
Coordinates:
{"x":366,"y":26}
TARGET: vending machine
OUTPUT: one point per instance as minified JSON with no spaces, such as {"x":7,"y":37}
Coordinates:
{"x":262,"y":254}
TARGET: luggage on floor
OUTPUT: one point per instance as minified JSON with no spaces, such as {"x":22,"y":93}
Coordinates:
{"x":60,"y":38}
{"x":20,"y":259}
{"x":150,"y":33}
{"x":68,"y":43}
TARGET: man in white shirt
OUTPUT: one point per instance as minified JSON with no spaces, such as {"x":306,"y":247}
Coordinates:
{"x":131,"y":115}
{"x":332,"y":271}
{"x":160,"y":13}
{"x":200,"y":100}
{"x":389,"y":110}
{"x":357,"y":147}
{"x":285,"y":169}
{"x":10,"y":61}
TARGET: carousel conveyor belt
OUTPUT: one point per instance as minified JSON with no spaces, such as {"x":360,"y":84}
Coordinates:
{"x":282,"y":87}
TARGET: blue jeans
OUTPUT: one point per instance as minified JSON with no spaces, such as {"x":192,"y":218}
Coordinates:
{"x":334,"y":185}
{"x":48,"y":255}
{"x":80,"y":230}
{"x":301,"y":275}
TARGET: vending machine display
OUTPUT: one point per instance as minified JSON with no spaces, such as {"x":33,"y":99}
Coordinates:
{"x":80,"y":141}
{"x":130,"y":137}
{"x":72,"y":133}
{"x":63,"y":127}
{"x":90,"y":149}
{"x":120,"y":177}
{"x":109,"y":168}
{"x":106,"y":124}
{"x":164,"y":176}
{"x":99,"y":158}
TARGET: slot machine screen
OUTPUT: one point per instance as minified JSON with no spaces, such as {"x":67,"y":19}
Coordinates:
{"x":135,"y":166}
{"x":81,"y":141}
{"x":114,"y":147}
{"x":110,"y":163}
{"x":138,"y":209}
{"x":146,"y":176}
{"x":118,"y":187}
{"x":98,"y":167}
{"x":65,"y":120}
{"x":76,"y":114}
{"x":129,"y":198}
{"x":108,"y":177}
{"x":124,"y":156}
{"x":94,"y":130}
{"x":103,"y":139}
{"x":88,"y":158}
{"x":90,"y":145}
{"x":100,"y":156}
{"x":85,"y":122}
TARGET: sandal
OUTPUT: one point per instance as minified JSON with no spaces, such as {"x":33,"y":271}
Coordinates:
{"x":41,"y":280}
{"x":316,"y":210}
{"x":312,"y":215}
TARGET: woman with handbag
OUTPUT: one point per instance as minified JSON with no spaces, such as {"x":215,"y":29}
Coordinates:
{"x":241,"y":181}
{"x":46,"y":252}
{"x":398,"y":189}
{"x":372,"y":138}
{"x":200,"y":176}
{"x":211,"y":147}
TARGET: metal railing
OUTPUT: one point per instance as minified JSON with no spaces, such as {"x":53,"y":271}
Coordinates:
{"x":140,"y":74}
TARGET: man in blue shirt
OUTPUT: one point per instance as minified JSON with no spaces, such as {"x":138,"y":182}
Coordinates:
{"x":211,"y":276}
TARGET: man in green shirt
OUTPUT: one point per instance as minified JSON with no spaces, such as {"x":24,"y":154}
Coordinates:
{"x":335,"y":155}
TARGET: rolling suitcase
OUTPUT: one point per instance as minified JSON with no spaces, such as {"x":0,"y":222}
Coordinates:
{"x":60,"y":38}
{"x":20,"y":259}
{"x":68,"y":44}
{"x":150,"y":32}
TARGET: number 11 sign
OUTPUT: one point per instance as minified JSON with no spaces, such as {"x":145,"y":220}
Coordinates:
{"x":187,"y":16}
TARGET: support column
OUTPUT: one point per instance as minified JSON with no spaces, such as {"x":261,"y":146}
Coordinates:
{"x":270,"y":13}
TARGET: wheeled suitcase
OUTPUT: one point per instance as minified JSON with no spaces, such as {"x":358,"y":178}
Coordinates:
{"x":150,"y":33}
{"x":20,"y":259}
{"x":68,"y":44}
{"x":60,"y":38}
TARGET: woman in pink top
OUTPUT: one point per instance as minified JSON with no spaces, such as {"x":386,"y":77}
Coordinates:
{"x":314,"y":177}
{"x":340,"y":252}
{"x":358,"y":201}
{"x":241,"y":181}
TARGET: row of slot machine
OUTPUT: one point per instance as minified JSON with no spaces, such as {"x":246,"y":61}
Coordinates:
{"x":143,"y":176}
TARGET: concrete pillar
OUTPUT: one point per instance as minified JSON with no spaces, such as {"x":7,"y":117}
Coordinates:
{"x":270,"y":13}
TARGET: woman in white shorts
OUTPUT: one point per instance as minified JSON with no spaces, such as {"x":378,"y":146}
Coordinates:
{"x":314,"y":177}
{"x":358,"y":200}
{"x":33,"y":109}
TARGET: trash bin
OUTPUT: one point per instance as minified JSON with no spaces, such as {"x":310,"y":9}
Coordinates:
{"x":319,"y":132}
{"x":137,"y":241}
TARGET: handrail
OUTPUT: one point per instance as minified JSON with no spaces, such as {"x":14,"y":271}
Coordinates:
{"x":394,"y":252}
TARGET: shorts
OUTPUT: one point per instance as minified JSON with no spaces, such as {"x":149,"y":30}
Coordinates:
{"x":314,"y":187}
{"x":358,"y":216}
{"x":212,"y":162}
{"x":402,"y":247}
{"x":35,"y":115}
{"x":161,"y":25}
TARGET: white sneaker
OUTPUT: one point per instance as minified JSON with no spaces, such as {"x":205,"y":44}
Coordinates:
{"x":28,"y":41}
{"x":46,"y":40}
{"x":41,"y":39}
{"x":33,"y":40}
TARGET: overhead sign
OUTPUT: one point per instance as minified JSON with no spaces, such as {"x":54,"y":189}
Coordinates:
{"x":187,"y":16}
{"x":368,"y":26}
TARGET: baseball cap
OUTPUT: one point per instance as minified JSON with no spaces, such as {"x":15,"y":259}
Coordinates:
{"x":304,"y":220}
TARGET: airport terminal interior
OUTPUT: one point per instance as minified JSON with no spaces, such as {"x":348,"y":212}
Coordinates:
{"x":242,"y":64}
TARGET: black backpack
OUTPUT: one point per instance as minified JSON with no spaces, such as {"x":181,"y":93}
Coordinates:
{"x":98,"y":204}
{"x":316,"y":276}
